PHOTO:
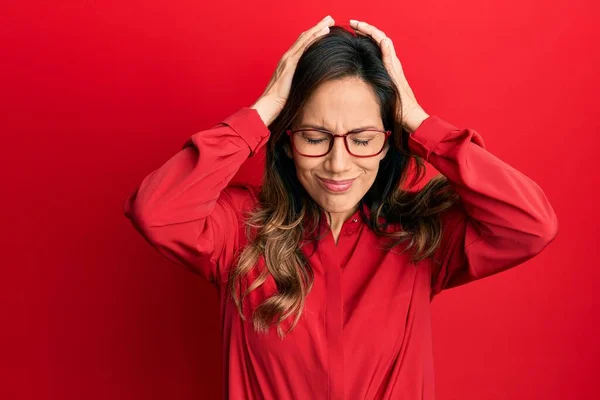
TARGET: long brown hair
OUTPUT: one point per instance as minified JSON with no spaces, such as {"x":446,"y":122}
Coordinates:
{"x":276,"y":227}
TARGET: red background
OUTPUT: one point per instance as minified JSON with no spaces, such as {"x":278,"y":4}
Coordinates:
{"x":95,"y":95}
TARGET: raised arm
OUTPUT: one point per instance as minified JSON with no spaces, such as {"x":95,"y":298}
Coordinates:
{"x":504,"y":217}
{"x":186,"y":210}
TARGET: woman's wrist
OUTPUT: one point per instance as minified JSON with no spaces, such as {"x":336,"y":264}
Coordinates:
{"x":414,"y":118}
{"x":267,"y":109}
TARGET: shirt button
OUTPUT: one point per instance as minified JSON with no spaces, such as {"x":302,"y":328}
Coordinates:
{"x":355,"y":220}
{"x":349,"y":231}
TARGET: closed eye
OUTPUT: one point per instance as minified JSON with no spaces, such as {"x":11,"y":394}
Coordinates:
{"x":361,"y":142}
{"x":313,"y":141}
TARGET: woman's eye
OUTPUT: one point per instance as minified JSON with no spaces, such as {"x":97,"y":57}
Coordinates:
{"x":361,"y":142}
{"x":315,"y":141}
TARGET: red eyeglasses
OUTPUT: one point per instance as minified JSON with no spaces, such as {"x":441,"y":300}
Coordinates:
{"x":312,"y":142}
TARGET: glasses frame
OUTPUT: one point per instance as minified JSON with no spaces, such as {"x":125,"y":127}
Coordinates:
{"x":290,"y":132}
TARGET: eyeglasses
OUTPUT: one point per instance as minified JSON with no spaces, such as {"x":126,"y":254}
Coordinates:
{"x":318,"y":142}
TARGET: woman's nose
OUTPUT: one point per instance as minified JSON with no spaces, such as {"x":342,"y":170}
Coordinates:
{"x":338,"y":157}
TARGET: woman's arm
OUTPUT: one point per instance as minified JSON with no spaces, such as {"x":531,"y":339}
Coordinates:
{"x":185,"y":208}
{"x":506,"y":218}
{"x":503,"y":219}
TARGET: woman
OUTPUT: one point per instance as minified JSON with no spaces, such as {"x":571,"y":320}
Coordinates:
{"x":326,"y":272}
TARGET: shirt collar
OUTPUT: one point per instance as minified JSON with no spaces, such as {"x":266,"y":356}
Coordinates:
{"x":355,"y":217}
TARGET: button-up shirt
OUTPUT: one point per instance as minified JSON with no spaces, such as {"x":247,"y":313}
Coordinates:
{"x":365,"y":330}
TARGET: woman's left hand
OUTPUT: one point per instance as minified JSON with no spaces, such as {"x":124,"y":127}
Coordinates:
{"x":412,"y":113}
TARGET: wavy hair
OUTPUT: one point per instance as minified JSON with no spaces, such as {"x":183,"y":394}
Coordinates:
{"x":277,"y":226}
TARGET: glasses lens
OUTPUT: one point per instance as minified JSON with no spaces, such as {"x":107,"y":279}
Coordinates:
{"x":315,"y":143}
{"x":312,"y":143}
{"x":365,"y":143}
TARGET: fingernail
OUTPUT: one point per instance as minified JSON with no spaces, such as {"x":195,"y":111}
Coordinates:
{"x":353,"y":21}
{"x":327,"y":17}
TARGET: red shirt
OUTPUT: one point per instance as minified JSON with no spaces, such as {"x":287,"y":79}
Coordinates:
{"x":365,"y":332}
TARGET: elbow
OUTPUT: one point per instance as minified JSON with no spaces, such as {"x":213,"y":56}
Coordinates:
{"x":551,"y":230}
{"x":546,"y":234}
{"x":139,"y":216}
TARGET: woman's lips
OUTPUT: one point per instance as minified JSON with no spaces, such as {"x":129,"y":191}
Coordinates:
{"x":336,"y":186}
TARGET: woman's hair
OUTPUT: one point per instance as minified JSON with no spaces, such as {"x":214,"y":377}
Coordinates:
{"x":277,"y":226}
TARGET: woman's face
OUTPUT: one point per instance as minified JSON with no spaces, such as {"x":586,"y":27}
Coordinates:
{"x":339,"y":106}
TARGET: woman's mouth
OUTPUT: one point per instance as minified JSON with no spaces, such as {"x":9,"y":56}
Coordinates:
{"x":336,"y":186}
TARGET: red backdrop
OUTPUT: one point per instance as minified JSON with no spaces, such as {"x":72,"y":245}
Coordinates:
{"x":95,"y":95}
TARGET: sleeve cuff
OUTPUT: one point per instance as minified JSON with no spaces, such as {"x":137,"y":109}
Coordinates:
{"x":427,"y":136}
{"x":247,"y":123}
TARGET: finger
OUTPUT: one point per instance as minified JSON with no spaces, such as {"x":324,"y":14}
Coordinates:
{"x":389,"y":46}
{"x":327,"y":21}
{"x":389,"y":54}
{"x":319,"y":28}
{"x":322,"y":28}
{"x":368,"y":29}
{"x":387,"y":49}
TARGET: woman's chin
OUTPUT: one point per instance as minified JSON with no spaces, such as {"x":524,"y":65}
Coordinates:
{"x":337,"y":204}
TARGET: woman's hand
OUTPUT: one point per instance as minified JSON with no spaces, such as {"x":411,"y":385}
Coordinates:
{"x":412,"y":113}
{"x":271,"y":102}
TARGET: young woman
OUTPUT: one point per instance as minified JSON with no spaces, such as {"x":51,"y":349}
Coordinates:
{"x":326,"y":272}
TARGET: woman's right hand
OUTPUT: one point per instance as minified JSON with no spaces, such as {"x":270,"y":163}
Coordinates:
{"x":271,"y":102}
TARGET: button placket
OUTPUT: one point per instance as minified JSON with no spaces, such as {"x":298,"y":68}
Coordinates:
{"x":334,"y":319}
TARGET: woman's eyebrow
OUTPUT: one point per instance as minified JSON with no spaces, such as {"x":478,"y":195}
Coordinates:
{"x":315,"y":126}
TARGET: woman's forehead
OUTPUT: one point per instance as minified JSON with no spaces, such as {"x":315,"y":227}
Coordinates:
{"x":343,"y":105}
